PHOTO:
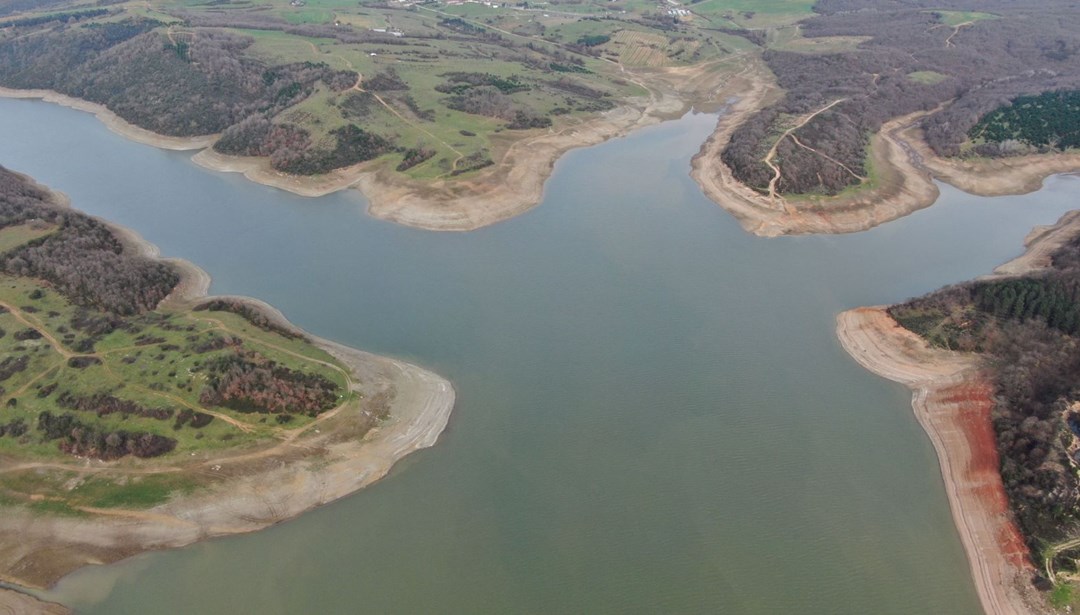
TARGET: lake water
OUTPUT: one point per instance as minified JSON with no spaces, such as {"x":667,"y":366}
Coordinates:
{"x":653,"y":414}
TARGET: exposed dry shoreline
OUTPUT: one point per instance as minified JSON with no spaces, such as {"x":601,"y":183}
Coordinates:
{"x":17,"y":603}
{"x":507,"y":189}
{"x":902,"y":188}
{"x":952,"y":399}
{"x":515,"y":184}
{"x":906,"y":168}
{"x":112,"y":121}
{"x":1040,"y":244}
{"x":257,"y":487}
{"x":990,"y":176}
{"x":952,"y":402}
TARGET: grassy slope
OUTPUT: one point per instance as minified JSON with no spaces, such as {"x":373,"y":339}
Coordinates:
{"x":422,"y":59}
{"x":154,"y":375}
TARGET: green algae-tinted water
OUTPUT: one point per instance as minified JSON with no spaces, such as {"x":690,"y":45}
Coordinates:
{"x":653,"y":414}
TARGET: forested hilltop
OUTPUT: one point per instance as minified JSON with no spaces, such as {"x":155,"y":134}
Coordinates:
{"x":882,"y":59}
{"x":1028,"y":328}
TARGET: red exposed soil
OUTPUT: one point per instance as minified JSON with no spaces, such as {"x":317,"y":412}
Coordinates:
{"x":952,"y":399}
{"x":972,"y":402}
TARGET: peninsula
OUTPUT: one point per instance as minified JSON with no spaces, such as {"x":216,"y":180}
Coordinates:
{"x":139,"y":414}
{"x":992,"y":368}
{"x":885,"y":97}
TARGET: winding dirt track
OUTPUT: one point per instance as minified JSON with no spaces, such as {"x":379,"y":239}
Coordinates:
{"x":24,"y":319}
{"x":790,"y":132}
{"x":63,"y":351}
{"x":906,"y":169}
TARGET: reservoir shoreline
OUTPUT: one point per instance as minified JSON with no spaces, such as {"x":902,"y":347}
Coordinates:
{"x":905,"y":164}
{"x":509,"y":188}
{"x":851,"y":523}
{"x":258,"y":487}
{"x":952,"y":398}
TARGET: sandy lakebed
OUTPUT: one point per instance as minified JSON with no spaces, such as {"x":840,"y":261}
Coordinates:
{"x":252,"y":489}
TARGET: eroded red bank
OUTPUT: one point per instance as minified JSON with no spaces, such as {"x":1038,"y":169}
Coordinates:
{"x":970,"y":404}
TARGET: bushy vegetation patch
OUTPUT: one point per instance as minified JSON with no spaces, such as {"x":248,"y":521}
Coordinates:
{"x":249,"y":382}
{"x":353,"y":145}
{"x":248,"y":313}
{"x":414,"y":156}
{"x":77,"y":438}
{"x":103,"y":405}
{"x":82,"y":259}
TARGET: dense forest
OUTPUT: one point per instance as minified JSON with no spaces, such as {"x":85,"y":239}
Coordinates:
{"x":977,"y":66}
{"x":131,"y":67}
{"x":83,"y":259}
{"x":1029,"y":328}
{"x":1046,"y":122}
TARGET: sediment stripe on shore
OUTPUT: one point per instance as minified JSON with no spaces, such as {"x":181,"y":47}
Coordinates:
{"x":952,"y":400}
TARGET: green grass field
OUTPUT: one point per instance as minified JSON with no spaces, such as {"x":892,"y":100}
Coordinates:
{"x":156,"y":360}
{"x":956,"y":18}
{"x":790,"y":38}
{"x":927,"y":77}
{"x":14,"y":236}
{"x":755,"y":13}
